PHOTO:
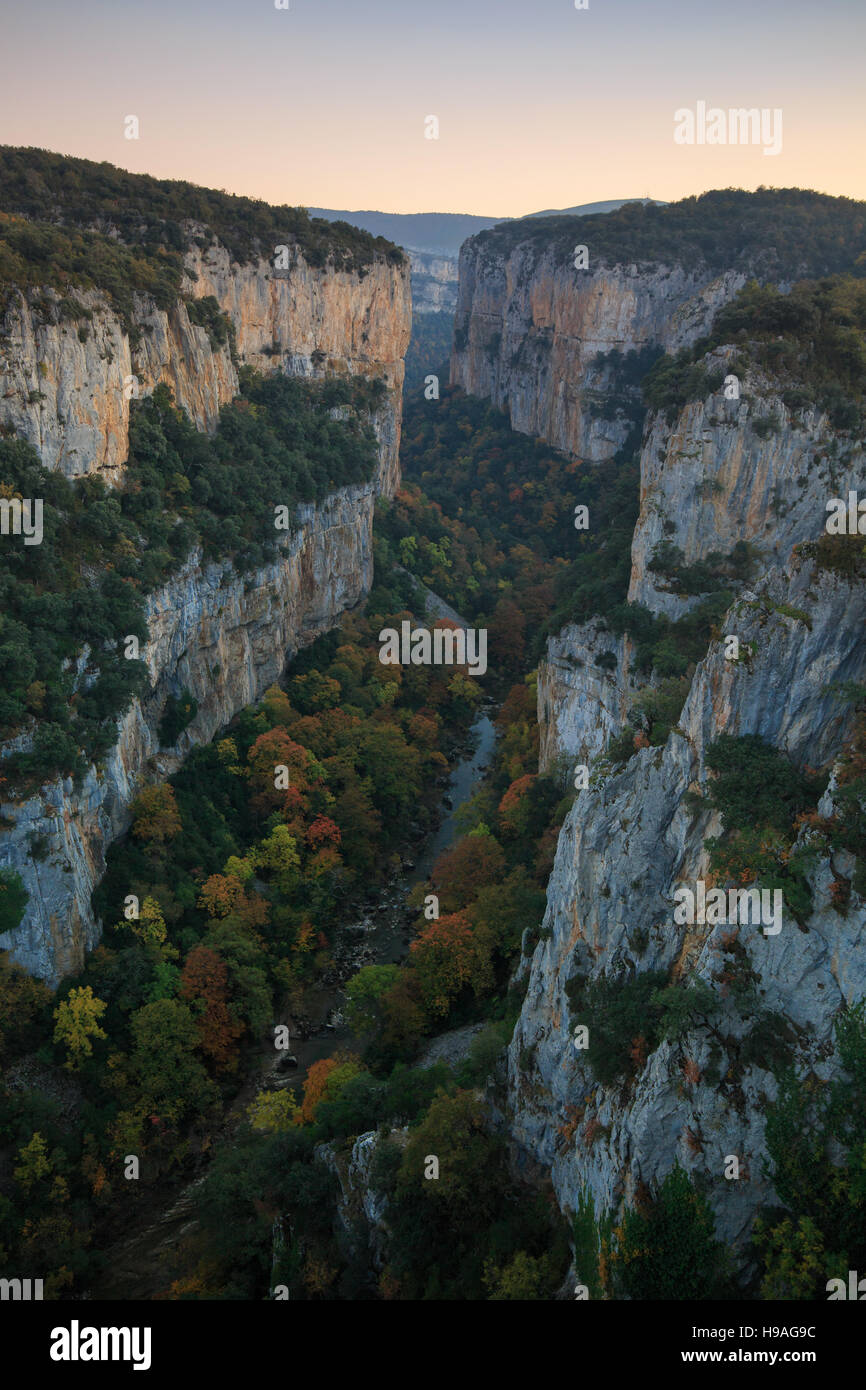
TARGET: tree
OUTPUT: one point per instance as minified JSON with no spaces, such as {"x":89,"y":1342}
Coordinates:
{"x":163,"y":1073}
{"x":456,"y":1131}
{"x":273,"y":1112}
{"x":515,"y":806}
{"x":33,"y":1164}
{"x":155,"y":816}
{"x":325,"y":1080}
{"x":22,"y":999}
{"x":278,"y":855}
{"x":469,"y":865}
{"x":365,"y":992}
{"x":323,"y":831}
{"x":445,"y":958}
{"x":668,"y":1248}
{"x":243,"y":953}
{"x":76,"y":1023}
{"x":523,"y":1279}
{"x":796,"y":1261}
{"x":13,"y":900}
{"x":150,"y":926}
{"x":221,"y":894}
{"x":205,"y":983}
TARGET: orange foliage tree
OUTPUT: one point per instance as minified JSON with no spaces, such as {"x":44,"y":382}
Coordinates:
{"x":445,"y":957}
{"x":205,"y":982}
{"x":461,"y":871}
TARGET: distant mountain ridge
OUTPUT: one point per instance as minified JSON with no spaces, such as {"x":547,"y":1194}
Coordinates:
{"x":444,"y":232}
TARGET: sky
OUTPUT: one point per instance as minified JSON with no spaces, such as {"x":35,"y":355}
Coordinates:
{"x":539,"y":104}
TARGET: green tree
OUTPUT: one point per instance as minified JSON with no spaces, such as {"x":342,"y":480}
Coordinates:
{"x":365,"y":992}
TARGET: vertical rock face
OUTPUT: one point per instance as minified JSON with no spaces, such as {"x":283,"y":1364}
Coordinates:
{"x":529,"y":331}
{"x":623,"y":848}
{"x":434,"y":282}
{"x":70,"y":398}
{"x":222,"y":635}
{"x":580,"y":703}
{"x":735,"y":470}
{"x":707,"y":480}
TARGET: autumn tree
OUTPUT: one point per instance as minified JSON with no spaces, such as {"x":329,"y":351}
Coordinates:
{"x":469,"y":865}
{"x":325,"y":1080}
{"x":272,"y":1112}
{"x":149,"y":926}
{"x":155,"y":816}
{"x":33,"y":1162}
{"x":76,"y":1023}
{"x":221,"y":894}
{"x":445,"y":957}
{"x":205,"y":984}
{"x":278,"y":856}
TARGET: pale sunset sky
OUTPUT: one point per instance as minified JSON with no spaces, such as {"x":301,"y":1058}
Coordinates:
{"x":539,"y":104}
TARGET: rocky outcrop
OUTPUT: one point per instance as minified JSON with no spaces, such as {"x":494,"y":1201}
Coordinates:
{"x":361,"y":1209}
{"x":722,"y":472}
{"x":581,"y":703}
{"x":66,"y":385}
{"x":532,"y":334}
{"x":623,"y":848}
{"x":748,"y":470}
{"x":223,"y":636}
{"x":434,"y":282}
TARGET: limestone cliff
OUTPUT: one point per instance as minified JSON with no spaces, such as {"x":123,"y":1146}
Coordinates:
{"x":532,"y":333}
{"x":708,"y":479}
{"x":222,"y":635}
{"x":581,"y":704}
{"x":749,"y":470}
{"x":623,"y":848}
{"x":65,"y":385}
{"x":434,"y":281}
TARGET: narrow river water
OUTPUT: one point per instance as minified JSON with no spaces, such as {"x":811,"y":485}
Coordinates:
{"x":142,"y":1262}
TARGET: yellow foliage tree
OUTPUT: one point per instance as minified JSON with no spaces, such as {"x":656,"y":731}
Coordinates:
{"x":272,"y":1112}
{"x":76,"y":1023}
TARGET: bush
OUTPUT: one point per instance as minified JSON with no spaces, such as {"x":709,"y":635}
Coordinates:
{"x":756,"y":785}
{"x":13,"y":900}
{"x":179,"y":712}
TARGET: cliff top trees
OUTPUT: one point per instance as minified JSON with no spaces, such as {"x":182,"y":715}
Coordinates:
{"x":786,"y":233}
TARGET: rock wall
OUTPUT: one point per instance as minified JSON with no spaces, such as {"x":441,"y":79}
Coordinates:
{"x":736,"y":470}
{"x":222,"y":635}
{"x":623,"y":848}
{"x":581,"y":704}
{"x":434,"y":282}
{"x":528,"y":331}
{"x":632,"y":837}
{"x":70,"y":397}
{"x":226,"y":638}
